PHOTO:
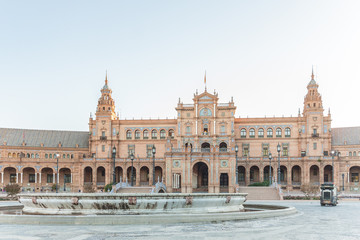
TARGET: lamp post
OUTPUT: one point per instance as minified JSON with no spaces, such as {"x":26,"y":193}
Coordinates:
{"x":64,"y":183}
{"x":332,"y":165}
{"x":270,"y":157}
{"x":343,"y":176}
{"x":278,"y":150}
{"x":153,"y":152}
{"x":236,"y":164}
{"x":57,"y":172}
{"x":132,"y":169}
{"x":113,"y":156}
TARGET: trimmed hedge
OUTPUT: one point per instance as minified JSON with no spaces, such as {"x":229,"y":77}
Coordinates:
{"x":260,"y":184}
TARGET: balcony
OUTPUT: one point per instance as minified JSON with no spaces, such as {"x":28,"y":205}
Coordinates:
{"x":103,"y":138}
{"x":315,"y":135}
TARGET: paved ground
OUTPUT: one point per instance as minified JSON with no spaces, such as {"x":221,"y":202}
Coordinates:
{"x":312,"y":222}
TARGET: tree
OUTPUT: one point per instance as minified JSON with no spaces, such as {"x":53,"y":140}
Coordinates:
{"x":12,"y":190}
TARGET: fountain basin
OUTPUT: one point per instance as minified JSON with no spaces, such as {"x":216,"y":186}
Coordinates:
{"x":131,"y":204}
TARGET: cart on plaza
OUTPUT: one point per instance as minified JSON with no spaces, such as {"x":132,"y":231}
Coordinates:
{"x":328,"y":195}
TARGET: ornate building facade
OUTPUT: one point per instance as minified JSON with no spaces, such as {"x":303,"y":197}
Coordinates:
{"x":200,"y":150}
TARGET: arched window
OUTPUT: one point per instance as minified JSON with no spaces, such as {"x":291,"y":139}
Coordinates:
{"x":243,"y":133}
{"x":128,"y":134}
{"x":350,"y":154}
{"x":205,"y":147}
{"x":223,"y":147}
{"x":153,"y":134}
{"x":261,"y":133}
{"x":46,"y":155}
{"x":269,"y":133}
{"x":278,"y":132}
{"x":50,"y":156}
{"x":252,"y":133}
{"x":28,"y":155}
{"x":37,"y":155}
{"x":32,"y":155}
{"x":171,"y":133}
{"x":137,"y":134}
{"x":162,"y":134}
{"x":9,"y":155}
{"x":68,"y":156}
{"x":14,"y":155}
{"x":72,"y":156}
{"x":146,"y":134}
{"x":287,"y":132}
{"x":64,"y":156}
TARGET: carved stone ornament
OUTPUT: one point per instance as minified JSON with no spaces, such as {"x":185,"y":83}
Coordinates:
{"x":228,"y":198}
{"x":75,"y":200}
{"x":132,"y":200}
{"x":189,"y":200}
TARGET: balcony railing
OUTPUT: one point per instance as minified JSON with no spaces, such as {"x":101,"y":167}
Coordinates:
{"x":103,"y":138}
{"x":315,"y":135}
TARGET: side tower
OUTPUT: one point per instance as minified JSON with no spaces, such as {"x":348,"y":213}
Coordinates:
{"x":316,"y":129}
{"x":101,"y":128}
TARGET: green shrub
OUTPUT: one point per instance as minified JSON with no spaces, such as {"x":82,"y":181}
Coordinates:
{"x":260,"y":184}
{"x":12,"y":190}
{"x":108,"y":187}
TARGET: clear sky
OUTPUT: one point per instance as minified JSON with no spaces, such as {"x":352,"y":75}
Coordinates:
{"x":54,"y":54}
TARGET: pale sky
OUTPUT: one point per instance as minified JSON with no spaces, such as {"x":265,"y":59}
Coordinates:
{"x":54,"y":54}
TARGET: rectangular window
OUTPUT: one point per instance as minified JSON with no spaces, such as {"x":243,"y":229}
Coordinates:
{"x":131,"y":150}
{"x":303,"y":153}
{"x":149,"y":150}
{"x":103,"y":133}
{"x":49,"y":178}
{"x":13,"y":178}
{"x":67,"y":178}
{"x":246,"y":150}
{"x":285,"y":150}
{"x":31,"y":178}
{"x":103,"y":148}
{"x":265,"y":150}
{"x":188,"y":130}
{"x":315,"y":146}
{"x":222,"y":129}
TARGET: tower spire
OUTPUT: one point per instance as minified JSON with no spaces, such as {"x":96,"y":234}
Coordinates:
{"x":312,"y":72}
{"x":106,"y":80}
{"x":205,"y":80}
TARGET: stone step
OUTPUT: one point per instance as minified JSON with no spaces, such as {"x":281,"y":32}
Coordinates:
{"x":260,"y":193}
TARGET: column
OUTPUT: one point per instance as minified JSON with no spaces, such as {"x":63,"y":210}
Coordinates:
{"x":71,"y":178}
{"x":39,"y":177}
{"x":35,"y":177}
{"x":21,"y":174}
{"x":17,"y":177}
{"x":2,"y":177}
{"x":53,"y":177}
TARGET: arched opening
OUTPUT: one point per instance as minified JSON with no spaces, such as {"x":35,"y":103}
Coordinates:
{"x":29,"y":178}
{"x":224,"y":182}
{"x":47,"y":179}
{"x":241,"y":176}
{"x":205,"y":147}
{"x":283,"y":175}
{"x":171,"y":133}
{"x":188,"y":147}
{"x":328,"y":174}
{"x":267,"y":174}
{"x":254,"y":174}
{"x":158,"y":174}
{"x":119,"y":174}
{"x":65,"y":179}
{"x":10,"y":175}
{"x":314,"y":175}
{"x":200,"y":177}
{"x":354,"y":174}
{"x":296,"y":176}
{"x":144,"y":176}
{"x":88,"y":175}
{"x":100,"y":177}
{"x":223,"y":147}
{"x":131,"y":177}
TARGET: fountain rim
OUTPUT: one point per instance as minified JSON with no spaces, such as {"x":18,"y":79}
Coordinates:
{"x":129,"y":194}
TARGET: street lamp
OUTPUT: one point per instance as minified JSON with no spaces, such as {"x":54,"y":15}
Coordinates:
{"x":236,"y":164}
{"x":57,"y":171}
{"x":270,"y":157}
{"x":153,"y":152}
{"x":113,"y":156}
{"x":132,"y":169}
{"x":333,"y":152}
{"x":278,"y":150}
{"x":64,"y":183}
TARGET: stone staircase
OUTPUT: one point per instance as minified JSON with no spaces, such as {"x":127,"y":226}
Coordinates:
{"x":260,"y":193}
